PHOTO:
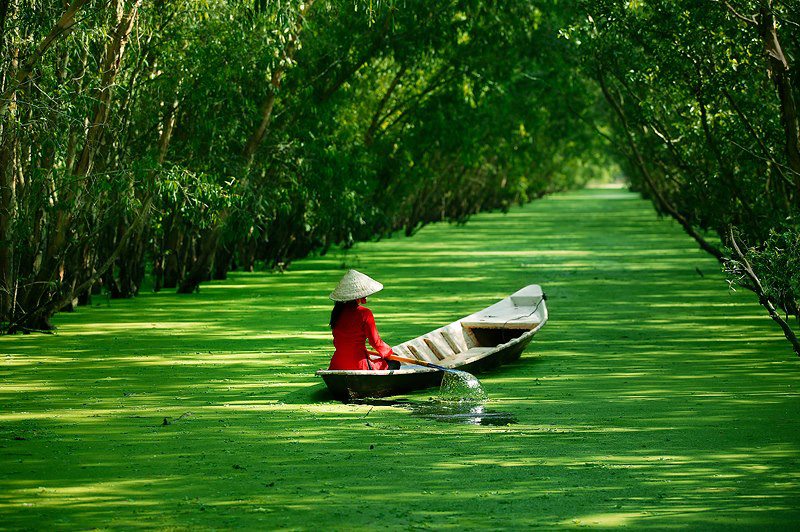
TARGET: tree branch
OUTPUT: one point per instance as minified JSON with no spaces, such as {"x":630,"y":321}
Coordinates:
{"x":749,"y":20}
{"x":61,"y":27}
{"x":639,"y":161}
{"x":763,"y":298}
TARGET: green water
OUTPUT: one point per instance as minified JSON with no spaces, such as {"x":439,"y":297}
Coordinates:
{"x":654,"y":397}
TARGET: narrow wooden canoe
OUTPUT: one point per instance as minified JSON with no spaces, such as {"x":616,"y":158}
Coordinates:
{"x":486,"y":339}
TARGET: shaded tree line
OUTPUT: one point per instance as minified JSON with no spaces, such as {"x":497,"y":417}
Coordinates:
{"x":702,"y":109}
{"x":184,"y":139}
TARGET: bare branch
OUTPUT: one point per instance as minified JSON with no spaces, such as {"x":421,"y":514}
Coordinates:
{"x":749,"y":20}
{"x":763,"y":298}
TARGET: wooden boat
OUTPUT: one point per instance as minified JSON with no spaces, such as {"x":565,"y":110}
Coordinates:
{"x":486,"y":339}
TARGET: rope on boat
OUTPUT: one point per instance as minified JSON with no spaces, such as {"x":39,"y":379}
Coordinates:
{"x":531,"y":313}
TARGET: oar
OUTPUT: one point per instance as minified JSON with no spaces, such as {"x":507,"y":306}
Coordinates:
{"x":414,"y":361}
{"x":470,"y":383}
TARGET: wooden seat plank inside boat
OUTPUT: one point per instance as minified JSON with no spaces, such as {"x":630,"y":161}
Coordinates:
{"x":452,"y":342}
{"x":437,"y":347}
{"x":403,"y":351}
{"x":422,"y":351}
{"x":461,"y":358}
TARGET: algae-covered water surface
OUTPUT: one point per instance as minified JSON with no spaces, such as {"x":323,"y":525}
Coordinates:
{"x":654,"y":397}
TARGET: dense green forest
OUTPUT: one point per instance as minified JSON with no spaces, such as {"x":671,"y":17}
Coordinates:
{"x":184,"y":139}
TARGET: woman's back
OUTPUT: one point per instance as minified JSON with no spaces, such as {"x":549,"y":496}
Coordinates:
{"x":354,"y":326}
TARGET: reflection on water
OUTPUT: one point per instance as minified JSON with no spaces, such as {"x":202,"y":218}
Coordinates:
{"x":466,"y":412}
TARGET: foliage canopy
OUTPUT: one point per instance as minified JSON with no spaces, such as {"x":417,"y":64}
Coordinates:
{"x":190,"y":138}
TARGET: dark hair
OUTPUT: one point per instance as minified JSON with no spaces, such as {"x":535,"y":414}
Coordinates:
{"x":337,"y":311}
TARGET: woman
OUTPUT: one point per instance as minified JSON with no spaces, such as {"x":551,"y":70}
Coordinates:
{"x":353,"y":323}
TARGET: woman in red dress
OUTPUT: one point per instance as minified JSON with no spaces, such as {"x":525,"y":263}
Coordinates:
{"x":353,"y":324}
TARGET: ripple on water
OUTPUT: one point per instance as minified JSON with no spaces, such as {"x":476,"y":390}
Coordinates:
{"x":467,"y":412}
{"x":461,"y":400}
{"x":464,"y":412}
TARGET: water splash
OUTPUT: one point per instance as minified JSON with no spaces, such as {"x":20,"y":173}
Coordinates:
{"x":461,"y":386}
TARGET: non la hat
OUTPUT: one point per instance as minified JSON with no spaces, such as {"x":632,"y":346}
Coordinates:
{"x":355,"y":285}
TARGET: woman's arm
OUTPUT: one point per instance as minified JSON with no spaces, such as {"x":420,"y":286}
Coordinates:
{"x":374,"y":339}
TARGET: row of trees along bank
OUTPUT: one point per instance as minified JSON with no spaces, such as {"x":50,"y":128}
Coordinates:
{"x":190,"y":138}
{"x":703,"y":105}
{"x":197,"y":138}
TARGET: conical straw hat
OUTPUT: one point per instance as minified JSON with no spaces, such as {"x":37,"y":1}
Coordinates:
{"x":355,"y":285}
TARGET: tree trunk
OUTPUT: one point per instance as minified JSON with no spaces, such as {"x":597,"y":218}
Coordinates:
{"x":266,"y":114}
{"x":248,"y":255}
{"x":173,"y":240}
{"x":8,"y":203}
{"x":61,"y":28}
{"x":158,"y":273}
{"x":267,"y":105}
{"x":103,"y":97}
{"x":3,"y":16}
{"x":131,"y":270}
{"x":7,"y":215}
{"x":202,"y":265}
{"x":222,"y":261}
{"x":378,"y":117}
{"x":60,"y":276}
{"x":68,"y":202}
{"x":780,"y":73}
